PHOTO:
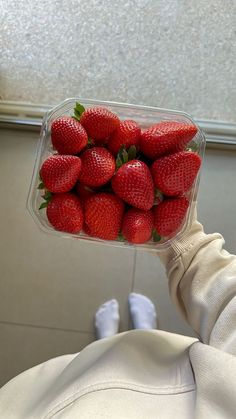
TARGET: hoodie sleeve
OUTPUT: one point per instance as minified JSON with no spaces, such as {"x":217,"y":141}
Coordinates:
{"x":202,"y":283}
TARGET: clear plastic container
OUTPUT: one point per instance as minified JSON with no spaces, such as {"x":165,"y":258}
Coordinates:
{"x":144,"y":116}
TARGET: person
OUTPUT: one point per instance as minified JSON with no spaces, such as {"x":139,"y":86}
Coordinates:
{"x":148,"y":373}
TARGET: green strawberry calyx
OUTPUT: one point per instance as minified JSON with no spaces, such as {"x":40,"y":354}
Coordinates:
{"x":155,"y":236}
{"x":41,"y":185}
{"x":120,"y":237}
{"x":193,"y":147}
{"x":158,"y":197}
{"x":47,"y":195}
{"x":90,"y":143}
{"x":124,"y":156}
{"x":78,"y":110}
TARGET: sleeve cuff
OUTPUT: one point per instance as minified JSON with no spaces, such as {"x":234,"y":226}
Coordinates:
{"x":194,"y":237}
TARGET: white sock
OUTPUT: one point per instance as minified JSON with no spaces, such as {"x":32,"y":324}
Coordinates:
{"x":143,"y":312}
{"x":107,"y":319}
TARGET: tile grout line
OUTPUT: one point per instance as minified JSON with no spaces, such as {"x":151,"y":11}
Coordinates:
{"x":134,"y":271}
{"x":44,"y":327}
{"x":130,"y":325}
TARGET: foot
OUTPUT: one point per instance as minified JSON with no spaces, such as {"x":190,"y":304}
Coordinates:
{"x":107,"y":319}
{"x":143,"y":312}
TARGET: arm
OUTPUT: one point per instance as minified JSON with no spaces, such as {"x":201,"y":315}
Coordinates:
{"x":202,"y":282}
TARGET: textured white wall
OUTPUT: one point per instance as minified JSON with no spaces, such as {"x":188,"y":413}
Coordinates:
{"x":179,"y":54}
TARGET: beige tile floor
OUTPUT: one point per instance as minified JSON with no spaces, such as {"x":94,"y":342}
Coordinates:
{"x":150,"y":279}
{"x":46,"y":281}
{"x":51,"y":287}
{"x":24,"y":346}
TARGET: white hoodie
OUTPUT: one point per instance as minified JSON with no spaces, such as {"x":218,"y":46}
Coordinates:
{"x":149,"y":374}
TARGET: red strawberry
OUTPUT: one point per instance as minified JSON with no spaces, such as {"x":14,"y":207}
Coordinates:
{"x":65,"y":213}
{"x":98,"y":166}
{"x":60,"y":173}
{"x":173,"y":175}
{"x":84,"y":192}
{"x":166,"y":137}
{"x":133,"y":183}
{"x":99,"y":123}
{"x":86,"y":230}
{"x":137,"y":225}
{"x":103,"y":215}
{"x":127,"y":134}
{"x":169,"y":215}
{"x":68,"y":136}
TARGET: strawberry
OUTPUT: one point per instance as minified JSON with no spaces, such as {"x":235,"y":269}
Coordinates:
{"x":137,"y":225}
{"x":103,"y":215}
{"x":60,"y":173}
{"x":68,"y":136}
{"x":65,"y":213}
{"x":86,"y":230}
{"x":98,"y":166}
{"x":173,"y":175}
{"x":99,"y":123}
{"x":133,"y":183}
{"x":127,"y":134}
{"x":84,"y":192}
{"x":169,"y":215}
{"x":166,"y":137}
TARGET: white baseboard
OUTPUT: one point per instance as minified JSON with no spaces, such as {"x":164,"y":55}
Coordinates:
{"x":20,"y":115}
